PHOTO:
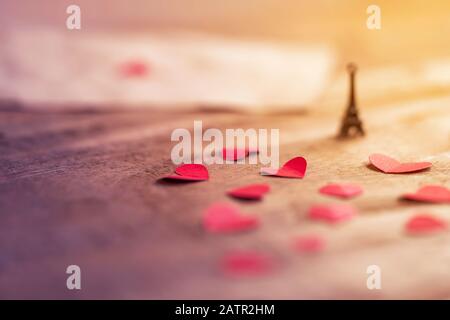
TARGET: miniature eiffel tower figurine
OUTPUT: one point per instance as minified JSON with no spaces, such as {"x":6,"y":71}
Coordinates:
{"x":351,"y":124}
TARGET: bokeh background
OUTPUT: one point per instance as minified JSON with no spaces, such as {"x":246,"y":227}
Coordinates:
{"x":204,"y":52}
{"x":411,"y":29}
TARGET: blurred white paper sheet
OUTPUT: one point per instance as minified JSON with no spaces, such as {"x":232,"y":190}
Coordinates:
{"x":186,"y":70}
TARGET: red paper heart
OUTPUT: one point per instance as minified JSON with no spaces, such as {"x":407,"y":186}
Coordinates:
{"x":134,"y":69}
{"x":250,"y":192}
{"x":309,"y":243}
{"x":425,"y":224}
{"x":294,"y":168}
{"x":223,"y":218}
{"x":434,"y":194}
{"x":190,"y":172}
{"x":247,"y":263}
{"x":332,"y":213}
{"x":341,"y":190}
{"x":390,"y":165}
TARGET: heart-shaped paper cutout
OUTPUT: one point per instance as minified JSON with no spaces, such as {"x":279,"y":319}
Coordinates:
{"x":250,"y":192}
{"x":247,"y":263}
{"x":234,"y":154}
{"x":294,"y":168}
{"x":134,"y":69}
{"x":390,"y":165}
{"x":425,"y":224}
{"x":252,"y":150}
{"x":341,"y":190}
{"x":190,"y":172}
{"x":332,"y":213}
{"x":224,"y":218}
{"x":309,"y":243}
{"x":433,"y":194}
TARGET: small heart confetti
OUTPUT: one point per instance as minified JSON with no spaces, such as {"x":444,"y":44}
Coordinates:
{"x":390,"y":165}
{"x":235,"y":154}
{"x":294,"y":168}
{"x":332,"y":213}
{"x":250,"y":192}
{"x":309,"y":243}
{"x":224,"y":218}
{"x":252,"y":150}
{"x":341,"y":190}
{"x":424,"y":224}
{"x":134,"y":69}
{"x":433,"y":194}
{"x":190,"y":172}
{"x":247,"y":263}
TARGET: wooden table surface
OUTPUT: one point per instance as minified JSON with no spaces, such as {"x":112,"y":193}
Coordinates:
{"x":81,"y":188}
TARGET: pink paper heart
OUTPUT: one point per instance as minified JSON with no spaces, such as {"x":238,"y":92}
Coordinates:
{"x":341,"y":190}
{"x":390,"y":165}
{"x":252,"y":150}
{"x":190,"y":172}
{"x":235,"y":154}
{"x":332,"y":213}
{"x":433,"y":194}
{"x":224,"y":218}
{"x":250,"y":192}
{"x":294,"y":168}
{"x":425,"y":224}
{"x":247,"y":263}
{"x":134,"y":69}
{"x":309,"y":243}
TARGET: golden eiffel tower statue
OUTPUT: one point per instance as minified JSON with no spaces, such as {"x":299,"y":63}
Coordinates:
{"x":351,"y":124}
